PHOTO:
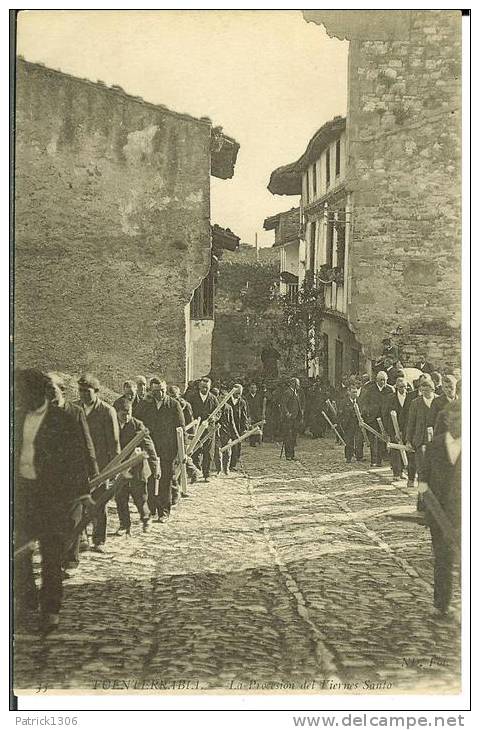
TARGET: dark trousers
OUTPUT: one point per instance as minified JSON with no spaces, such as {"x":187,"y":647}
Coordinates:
{"x":152,"y":495}
{"x":73,"y":553}
{"x":137,"y":490}
{"x":37,"y":518}
{"x":99,"y":532}
{"x":397,"y":464}
{"x":204,"y":454}
{"x":236,"y":452}
{"x":419,"y":466}
{"x":443,"y":569}
{"x":377,"y":446}
{"x":353,"y":443}
{"x":290,"y":440}
{"x":167,"y":489}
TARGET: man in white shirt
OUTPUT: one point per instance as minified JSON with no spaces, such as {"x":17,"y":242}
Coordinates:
{"x":50,"y":472}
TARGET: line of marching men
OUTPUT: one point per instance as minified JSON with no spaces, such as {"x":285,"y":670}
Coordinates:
{"x":62,"y":447}
{"x":425,"y":421}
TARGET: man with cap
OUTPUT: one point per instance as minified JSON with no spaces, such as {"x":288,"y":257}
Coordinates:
{"x":56,"y":388}
{"x":421,"y":422}
{"x":136,"y":487}
{"x":103,"y":426}
{"x":254,"y":401}
{"x":390,"y":350}
{"x":130,"y":392}
{"x":162,"y":415}
{"x":50,"y":474}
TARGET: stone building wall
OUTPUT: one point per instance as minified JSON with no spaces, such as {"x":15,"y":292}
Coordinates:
{"x":112,"y":228}
{"x":404,"y":167}
{"x":241,"y":331}
{"x":404,"y":137}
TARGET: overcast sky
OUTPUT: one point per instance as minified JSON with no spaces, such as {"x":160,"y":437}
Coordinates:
{"x":267,"y":77}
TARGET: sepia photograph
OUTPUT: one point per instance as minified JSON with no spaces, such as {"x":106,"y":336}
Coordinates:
{"x":236,"y":360}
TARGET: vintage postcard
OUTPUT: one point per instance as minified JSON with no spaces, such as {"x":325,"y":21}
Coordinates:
{"x":236,"y":325}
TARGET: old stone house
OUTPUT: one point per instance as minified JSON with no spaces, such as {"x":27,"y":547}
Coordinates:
{"x":112,"y":229}
{"x":323,"y":236}
{"x":400,"y":185}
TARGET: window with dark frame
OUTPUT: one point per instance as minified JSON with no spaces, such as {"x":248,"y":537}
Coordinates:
{"x":201,"y":306}
{"x":314,"y":179}
{"x":329,"y":251}
{"x":327,"y":172}
{"x":337,"y":158}
{"x":307,"y":186}
{"x":340,"y":227}
{"x":313,"y":235}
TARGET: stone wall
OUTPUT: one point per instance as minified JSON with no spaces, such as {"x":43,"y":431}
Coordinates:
{"x":243,"y":320}
{"x":404,"y":137}
{"x":112,"y":229}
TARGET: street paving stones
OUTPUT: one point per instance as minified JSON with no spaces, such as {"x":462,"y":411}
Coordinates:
{"x":281,"y":574}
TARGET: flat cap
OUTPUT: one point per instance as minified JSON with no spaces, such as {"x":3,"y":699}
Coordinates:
{"x":87,"y":380}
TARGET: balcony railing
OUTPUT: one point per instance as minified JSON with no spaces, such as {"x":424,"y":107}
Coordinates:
{"x":292,"y":293}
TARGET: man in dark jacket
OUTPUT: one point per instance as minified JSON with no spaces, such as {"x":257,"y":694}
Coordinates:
{"x":254,"y":401}
{"x":269,"y":357}
{"x":56,"y":394}
{"x":162,"y":416}
{"x":421,"y":422}
{"x":203,"y":404}
{"x":442,"y":474}
{"x":399,"y":402}
{"x":349,"y":422}
{"x":226,"y":431}
{"x":136,"y":487}
{"x":372,"y":406}
{"x":240,"y":417}
{"x":424,"y":365}
{"x":174,"y":392}
{"x":103,"y":426}
{"x":50,"y":472}
{"x":449,"y":392}
{"x":292,"y":411}
{"x":130,"y":392}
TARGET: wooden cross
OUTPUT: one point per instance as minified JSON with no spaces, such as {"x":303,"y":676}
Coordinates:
{"x":252,"y":432}
{"x":333,"y":426}
{"x":182,"y":459}
{"x":396,"y":428}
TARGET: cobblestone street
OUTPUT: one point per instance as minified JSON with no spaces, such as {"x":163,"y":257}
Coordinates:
{"x":290,"y":575}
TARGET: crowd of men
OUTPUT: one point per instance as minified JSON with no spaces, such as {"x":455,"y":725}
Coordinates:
{"x":61,"y":445}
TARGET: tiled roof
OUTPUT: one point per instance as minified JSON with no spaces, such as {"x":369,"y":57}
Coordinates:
{"x":287,"y":180}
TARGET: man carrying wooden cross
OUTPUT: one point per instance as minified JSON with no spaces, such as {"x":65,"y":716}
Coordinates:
{"x":137,"y":486}
{"x":372,"y":404}
{"x":50,"y":473}
{"x":240,"y":417}
{"x":103,"y":426}
{"x":399,"y":403}
{"x":203,"y":404}
{"x":349,"y":422}
{"x":226,"y":432}
{"x":162,"y":416}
